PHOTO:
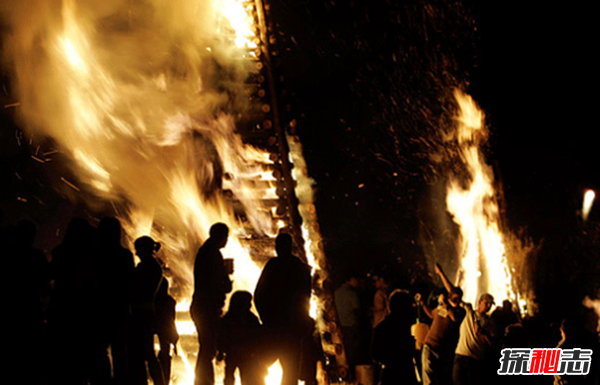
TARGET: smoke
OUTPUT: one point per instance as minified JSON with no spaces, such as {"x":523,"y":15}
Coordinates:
{"x":141,"y":99}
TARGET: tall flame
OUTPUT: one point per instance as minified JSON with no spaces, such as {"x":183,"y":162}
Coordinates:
{"x":127,"y":92}
{"x":310,"y":226}
{"x":474,"y":207}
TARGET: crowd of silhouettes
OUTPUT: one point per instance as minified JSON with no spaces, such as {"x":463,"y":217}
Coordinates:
{"x":90,"y":315}
{"x":87,"y":314}
{"x":285,"y":331}
{"x":462,"y":342}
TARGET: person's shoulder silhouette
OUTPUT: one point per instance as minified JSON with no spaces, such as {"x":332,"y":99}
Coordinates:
{"x":148,"y":273}
{"x":211,"y":280}
{"x":283,"y":290}
{"x":114,"y":261}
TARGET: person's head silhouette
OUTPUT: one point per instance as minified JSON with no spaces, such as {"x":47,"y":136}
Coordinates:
{"x":145,"y":247}
{"x":219,"y":232}
{"x":79,"y":233}
{"x":109,"y":231}
{"x":284,"y":245}
{"x":400,"y":302}
{"x":240,"y":302}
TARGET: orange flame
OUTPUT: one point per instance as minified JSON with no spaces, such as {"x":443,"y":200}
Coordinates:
{"x":239,"y":20}
{"x":475,"y":210}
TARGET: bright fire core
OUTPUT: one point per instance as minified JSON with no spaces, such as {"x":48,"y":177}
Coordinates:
{"x":474,"y":207}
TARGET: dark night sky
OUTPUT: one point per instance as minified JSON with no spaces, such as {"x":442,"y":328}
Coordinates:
{"x":353,"y":67}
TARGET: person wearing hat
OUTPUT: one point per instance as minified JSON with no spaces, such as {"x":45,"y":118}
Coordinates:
{"x":477,"y":336}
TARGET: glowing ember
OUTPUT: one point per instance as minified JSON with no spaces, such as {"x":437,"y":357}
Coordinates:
{"x":474,"y":208}
{"x":588,"y":201}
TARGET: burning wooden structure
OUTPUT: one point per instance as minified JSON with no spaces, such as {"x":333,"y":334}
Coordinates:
{"x":166,"y":114}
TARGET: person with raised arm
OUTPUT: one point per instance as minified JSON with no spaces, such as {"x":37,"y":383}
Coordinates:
{"x":440,"y":343}
{"x":477,"y":335}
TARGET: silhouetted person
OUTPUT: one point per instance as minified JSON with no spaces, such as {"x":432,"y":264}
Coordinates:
{"x":115,"y":269}
{"x":575,"y":336}
{"x":312,"y":353}
{"x":211,"y":284}
{"x":381,"y":303}
{"x":504,"y":316}
{"x":515,"y":336}
{"x":74,"y":309}
{"x":282,"y":298}
{"x":393,"y":345}
{"x":27,"y":294}
{"x":147,"y":278}
{"x":34,"y":274}
{"x":239,"y":341}
{"x":347,"y":302}
{"x":165,"y":327}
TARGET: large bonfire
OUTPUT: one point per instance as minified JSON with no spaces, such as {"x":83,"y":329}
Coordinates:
{"x":141,"y":100}
{"x":472,"y":200}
